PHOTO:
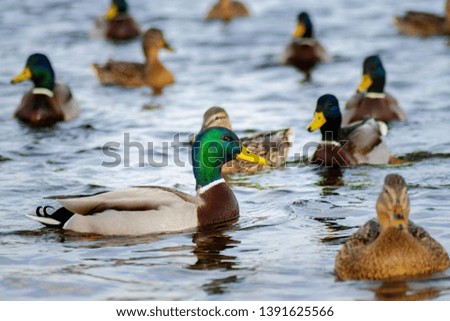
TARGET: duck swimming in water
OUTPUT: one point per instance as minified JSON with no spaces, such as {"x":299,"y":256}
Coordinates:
{"x":48,"y":102}
{"x":118,"y":24}
{"x":391,"y":247}
{"x":371,"y":100}
{"x":304,"y":52}
{"x":155,"y":209}
{"x":360,"y":143}
{"x":424,"y":24}
{"x":272,"y":145}
{"x":152,"y":73}
{"x":227,"y":10}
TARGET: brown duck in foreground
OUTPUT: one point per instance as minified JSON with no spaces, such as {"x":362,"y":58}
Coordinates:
{"x":117,"y":23}
{"x":152,"y":73}
{"x":48,"y":102}
{"x":423,"y":24}
{"x":391,"y":247}
{"x":227,"y":10}
{"x":272,"y":145}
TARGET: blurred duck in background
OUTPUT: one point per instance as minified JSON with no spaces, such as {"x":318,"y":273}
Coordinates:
{"x":151,"y":73}
{"x":227,"y":10}
{"x":304,"y":52}
{"x":391,"y":247}
{"x":48,"y":102}
{"x":370,"y":100}
{"x":423,"y":24}
{"x":117,"y":24}
{"x":271,"y":145}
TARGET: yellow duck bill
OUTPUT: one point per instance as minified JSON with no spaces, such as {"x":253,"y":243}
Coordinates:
{"x":365,"y":83}
{"x":24,"y":75}
{"x":248,"y":156}
{"x":318,"y":121}
{"x":112,"y":12}
{"x":300,"y":30}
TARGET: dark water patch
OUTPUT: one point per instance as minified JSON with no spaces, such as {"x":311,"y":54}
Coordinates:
{"x":422,"y":155}
{"x":5,"y":159}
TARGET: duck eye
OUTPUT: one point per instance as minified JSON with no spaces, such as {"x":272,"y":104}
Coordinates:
{"x":226,"y":138}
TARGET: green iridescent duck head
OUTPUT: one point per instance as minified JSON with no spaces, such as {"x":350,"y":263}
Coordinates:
{"x":117,"y":7}
{"x":374,"y":75}
{"x":39,"y":70}
{"x":214,"y":147}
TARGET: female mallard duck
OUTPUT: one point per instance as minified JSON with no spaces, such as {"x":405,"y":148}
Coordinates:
{"x":361,"y":143}
{"x":304,"y":52}
{"x":153,"y":209}
{"x":227,"y":10}
{"x":152,"y":73}
{"x":117,"y":24}
{"x":422,"y":24}
{"x":48,"y":102}
{"x":392,"y":247}
{"x":370,"y":100}
{"x":273,"y":145}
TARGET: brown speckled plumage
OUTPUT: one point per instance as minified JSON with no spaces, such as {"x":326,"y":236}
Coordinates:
{"x":385,"y":248}
{"x":152,"y":73}
{"x":272,"y":145}
{"x":422,"y":24}
{"x":227,"y":10}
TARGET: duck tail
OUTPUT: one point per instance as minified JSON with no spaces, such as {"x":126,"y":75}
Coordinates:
{"x":56,"y":219}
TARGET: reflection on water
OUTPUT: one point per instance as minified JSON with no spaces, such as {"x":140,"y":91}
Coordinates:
{"x":209,"y":245}
{"x":401,"y":291}
{"x":330,"y":180}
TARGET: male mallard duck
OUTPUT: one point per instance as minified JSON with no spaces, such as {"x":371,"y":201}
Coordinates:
{"x":391,"y":247}
{"x":361,"y":143}
{"x":48,"y":102}
{"x":152,"y":73}
{"x":117,"y":24}
{"x":304,"y":52}
{"x":422,"y":24}
{"x":226,"y":10}
{"x":273,"y":145}
{"x":370,"y":100}
{"x":154,"y":209}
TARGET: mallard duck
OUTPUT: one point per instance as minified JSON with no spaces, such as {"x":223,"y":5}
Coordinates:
{"x":423,"y":24}
{"x":227,"y":10}
{"x":48,"y":101}
{"x":154,"y":209}
{"x":273,"y":145}
{"x":392,"y":247}
{"x":370,"y":100}
{"x":361,"y":143}
{"x":117,"y":23}
{"x":304,"y":52}
{"x":152,"y":73}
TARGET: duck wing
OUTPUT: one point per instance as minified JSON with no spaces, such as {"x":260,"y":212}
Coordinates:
{"x":122,"y":73}
{"x":366,"y":142}
{"x":69,"y":106}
